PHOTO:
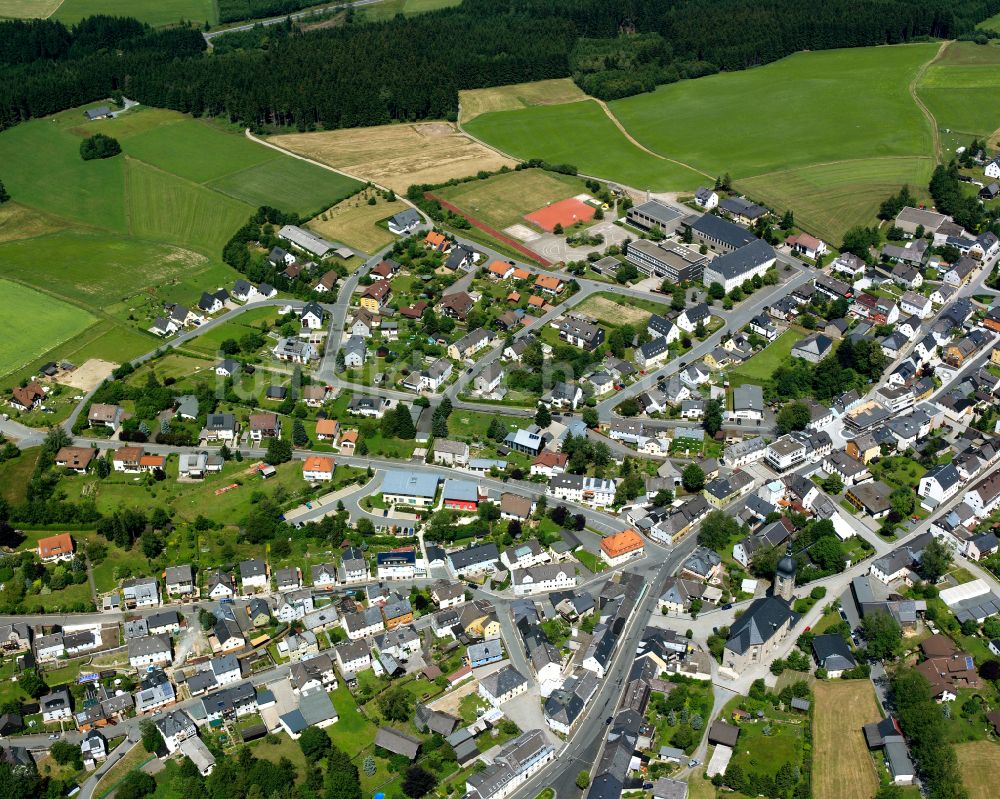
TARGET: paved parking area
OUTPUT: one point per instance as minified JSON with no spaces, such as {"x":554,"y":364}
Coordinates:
{"x":284,"y":702}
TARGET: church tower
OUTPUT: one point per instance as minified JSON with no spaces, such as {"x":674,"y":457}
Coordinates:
{"x":784,"y":578}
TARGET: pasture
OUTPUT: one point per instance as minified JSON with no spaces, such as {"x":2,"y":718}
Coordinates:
{"x":581,"y":134}
{"x":474,"y":102}
{"x":18,"y":222}
{"x":842,"y":767}
{"x":22,"y":339}
{"x":390,"y":8}
{"x":977,"y":764}
{"x":504,"y":200}
{"x":962,"y":90}
{"x":153,"y":12}
{"x":829,"y":199}
{"x":353,"y":221}
{"x":397,"y":156}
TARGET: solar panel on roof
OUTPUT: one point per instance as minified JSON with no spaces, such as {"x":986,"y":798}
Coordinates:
{"x":969,"y":663}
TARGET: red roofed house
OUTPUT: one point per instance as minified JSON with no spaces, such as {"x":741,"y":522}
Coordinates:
{"x":327,"y":429}
{"x":549,"y":284}
{"x":55,"y":547}
{"x":27,"y":398}
{"x":618,"y":548}
{"x":436,"y":241}
{"x":521,"y":274}
{"x":414,"y":311}
{"x":501,"y":270}
{"x":348,"y":442}
{"x":316,"y":468}
{"x":807,"y":245}
{"x":148,"y":463}
{"x":126,"y":459}
{"x":549,"y":463}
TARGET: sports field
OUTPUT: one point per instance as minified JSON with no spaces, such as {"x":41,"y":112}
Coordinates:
{"x":153,"y":12}
{"x":353,"y":221}
{"x":842,"y":766}
{"x":21,"y":336}
{"x":977,"y":763}
{"x":809,"y":132}
{"x":962,"y":90}
{"x":474,"y":102}
{"x":504,"y":200}
{"x":397,"y":156}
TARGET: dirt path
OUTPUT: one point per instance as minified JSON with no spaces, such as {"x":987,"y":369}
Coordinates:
{"x":935,"y":133}
{"x":617,"y":123}
{"x":804,"y":167}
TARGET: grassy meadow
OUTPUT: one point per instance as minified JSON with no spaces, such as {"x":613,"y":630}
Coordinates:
{"x":390,"y":8}
{"x":842,"y":766}
{"x":19,"y":339}
{"x":827,"y":133}
{"x":119,"y":237}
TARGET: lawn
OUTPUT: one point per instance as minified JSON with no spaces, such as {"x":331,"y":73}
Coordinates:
{"x":15,"y":474}
{"x":898,"y":471}
{"x":353,"y":221}
{"x":353,"y":732}
{"x":581,"y":134}
{"x":472,"y":425}
{"x":152,"y":12}
{"x":760,"y":367}
{"x":592,"y":562}
{"x":977,"y":764}
{"x":504,"y":200}
{"x":842,"y":767}
{"x":21,"y":338}
{"x":851,"y":93}
{"x":765,"y":754}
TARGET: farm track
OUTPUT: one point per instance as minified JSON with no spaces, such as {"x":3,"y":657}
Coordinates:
{"x":624,"y":131}
{"x":912,"y":88}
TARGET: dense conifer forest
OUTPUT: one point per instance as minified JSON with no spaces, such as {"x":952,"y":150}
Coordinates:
{"x":412,"y":68}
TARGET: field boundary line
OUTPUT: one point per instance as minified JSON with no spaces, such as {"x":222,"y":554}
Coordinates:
{"x":624,"y":131}
{"x":914,"y":84}
{"x":280,"y":149}
{"x":510,"y":242}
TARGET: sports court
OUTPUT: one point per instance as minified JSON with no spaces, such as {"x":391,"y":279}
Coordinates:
{"x":565,"y":213}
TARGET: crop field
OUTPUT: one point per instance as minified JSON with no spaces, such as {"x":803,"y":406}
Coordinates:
{"x":474,"y":102}
{"x":504,"y":200}
{"x":20,"y":339}
{"x":842,"y":766}
{"x":153,"y":12}
{"x":581,"y":134}
{"x":289,"y":184}
{"x":25,"y":9}
{"x":397,"y":156}
{"x":962,"y":90}
{"x":977,"y":764}
{"x":829,"y":199}
{"x":353,"y":221}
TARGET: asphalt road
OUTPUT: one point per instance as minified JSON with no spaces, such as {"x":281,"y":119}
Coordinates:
{"x":209,"y":35}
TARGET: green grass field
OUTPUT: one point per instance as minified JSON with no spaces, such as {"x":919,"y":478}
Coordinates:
{"x":121,"y":236}
{"x":580,"y":134}
{"x":153,"y":12}
{"x":289,"y":184}
{"x":962,"y":91}
{"x":390,"y":8}
{"x":20,"y":342}
{"x":805,"y":109}
{"x":808,"y":132}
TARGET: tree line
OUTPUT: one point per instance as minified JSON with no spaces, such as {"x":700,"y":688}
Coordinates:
{"x":413,"y":68}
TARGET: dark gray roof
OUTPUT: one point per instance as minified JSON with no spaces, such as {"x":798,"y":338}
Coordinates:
{"x":722,"y":230}
{"x":833,"y":653}
{"x":759,"y":623}
{"x":739,"y":262}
